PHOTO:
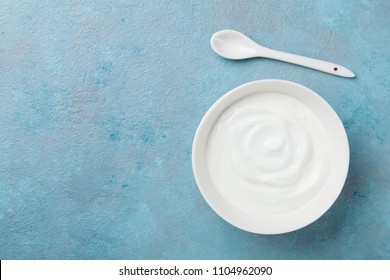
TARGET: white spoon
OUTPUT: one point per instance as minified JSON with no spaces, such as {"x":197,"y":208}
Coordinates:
{"x":232,"y":44}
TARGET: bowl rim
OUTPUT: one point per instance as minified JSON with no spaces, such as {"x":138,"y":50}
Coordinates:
{"x":285,"y":222}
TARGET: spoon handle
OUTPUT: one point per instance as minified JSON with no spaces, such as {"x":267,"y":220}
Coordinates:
{"x":328,"y":67}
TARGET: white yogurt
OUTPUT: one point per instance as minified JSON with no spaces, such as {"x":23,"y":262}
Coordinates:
{"x":268,"y":152}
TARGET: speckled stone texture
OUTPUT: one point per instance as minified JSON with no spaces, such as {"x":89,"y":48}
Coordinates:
{"x":100,"y":100}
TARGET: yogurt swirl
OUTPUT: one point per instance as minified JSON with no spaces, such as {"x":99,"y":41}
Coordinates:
{"x":268,"y":152}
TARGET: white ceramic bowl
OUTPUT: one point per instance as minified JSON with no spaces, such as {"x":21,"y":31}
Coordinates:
{"x":284,"y":221}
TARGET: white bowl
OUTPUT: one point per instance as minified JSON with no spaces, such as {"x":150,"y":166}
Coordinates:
{"x":309,"y":210}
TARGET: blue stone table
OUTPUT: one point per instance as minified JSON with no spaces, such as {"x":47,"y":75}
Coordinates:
{"x":100,"y":100}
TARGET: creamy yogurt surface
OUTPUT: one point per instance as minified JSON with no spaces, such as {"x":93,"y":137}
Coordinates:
{"x":268,"y":152}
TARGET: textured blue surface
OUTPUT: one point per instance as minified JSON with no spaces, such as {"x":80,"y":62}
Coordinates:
{"x":100,"y":100}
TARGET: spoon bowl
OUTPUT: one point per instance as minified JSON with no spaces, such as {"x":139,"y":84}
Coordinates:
{"x":234,"y":45}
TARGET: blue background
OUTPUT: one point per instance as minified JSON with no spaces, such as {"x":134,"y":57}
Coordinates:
{"x":100,"y":100}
